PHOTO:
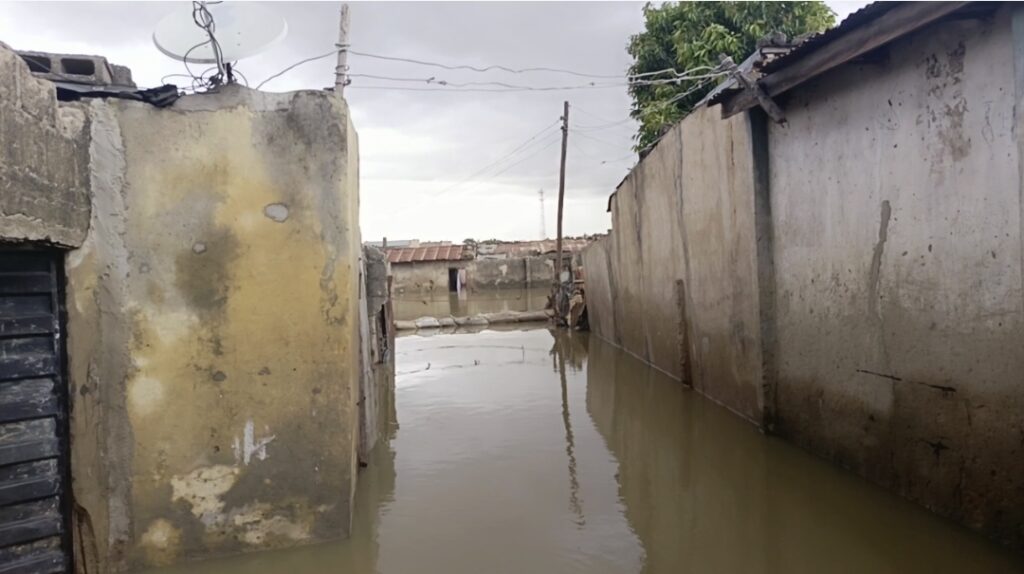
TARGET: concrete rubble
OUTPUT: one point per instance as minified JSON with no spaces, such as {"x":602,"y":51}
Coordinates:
{"x":476,"y":321}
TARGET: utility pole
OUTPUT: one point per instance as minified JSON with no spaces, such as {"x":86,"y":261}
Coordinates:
{"x":543,"y":222}
{"x":561,"y":193}
{"x":341,"y":71}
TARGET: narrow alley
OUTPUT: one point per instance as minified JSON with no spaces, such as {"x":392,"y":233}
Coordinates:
{"x":541,"y":450}
{"x":511,"y":287}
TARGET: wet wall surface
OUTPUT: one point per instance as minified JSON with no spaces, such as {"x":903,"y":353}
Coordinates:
{"x":536,"y":451}
{"x":411,"y":306}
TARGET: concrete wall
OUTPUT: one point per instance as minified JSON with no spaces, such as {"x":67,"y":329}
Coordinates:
{"x":675,"y":282}
{"x":896,"y":202}
{"x":422,"y":277}
{"x":44,"y":174}
{"x":376,"y":397}
{"x":481,"y":274}
{"x":851,"y":279}
{"x":213,"y":321}
{"x":515,"y":273}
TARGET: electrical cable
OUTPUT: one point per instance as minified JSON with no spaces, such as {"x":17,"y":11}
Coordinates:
{"x":295,"y":65}
{"x":590,"y":137}
{"x":202,"y":18}
{"x":522,"y":88}
{"x":503,"y":158}
{"x":574,"y":146}
{"x":631,"y":80}
{"x":533,"y":155}
{"x":521,"y":70}
{"x":529,"y":142}
{"x":476,"y":69}
{"x":597,"y":128}
{"x":591,"y":114}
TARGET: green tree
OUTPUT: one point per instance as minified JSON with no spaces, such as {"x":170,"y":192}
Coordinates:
{"x":688,"y":35}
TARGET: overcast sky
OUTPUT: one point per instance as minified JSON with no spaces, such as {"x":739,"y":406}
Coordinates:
{"x":423,"y":153}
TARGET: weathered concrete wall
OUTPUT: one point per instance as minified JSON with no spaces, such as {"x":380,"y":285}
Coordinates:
{"x":515,"y":273}
{"x":896,"y":201}
{"x":675,"y":283}
{"x":44,"y":160}
{"x":853,"y":278}
{"x":481,"y":274}
{"x":377,"y":392}
{"x":213,"y":321}
{"x":422,"y":277}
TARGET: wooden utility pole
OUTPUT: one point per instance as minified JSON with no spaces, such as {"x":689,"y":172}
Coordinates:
{"x":561,"y":193}
{"x":341,"y":71}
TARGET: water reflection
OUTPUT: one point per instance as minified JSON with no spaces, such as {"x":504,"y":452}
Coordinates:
{"x":567,"y":345}
{"x":706,"y":492}
{"x":409,"y":306}
{"x":542,"y":451}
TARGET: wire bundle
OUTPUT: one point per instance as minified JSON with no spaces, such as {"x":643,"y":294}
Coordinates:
{"x":221,"y":72}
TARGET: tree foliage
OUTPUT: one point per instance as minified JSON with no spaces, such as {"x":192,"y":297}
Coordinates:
{"x":687,"y":35}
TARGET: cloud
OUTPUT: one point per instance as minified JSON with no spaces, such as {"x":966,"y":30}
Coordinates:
{"x":414,"y":144}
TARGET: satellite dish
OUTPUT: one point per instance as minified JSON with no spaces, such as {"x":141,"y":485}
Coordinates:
{"x":242,"y":29}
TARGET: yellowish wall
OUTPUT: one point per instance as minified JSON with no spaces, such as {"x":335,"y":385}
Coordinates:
{"x":214,"y":341}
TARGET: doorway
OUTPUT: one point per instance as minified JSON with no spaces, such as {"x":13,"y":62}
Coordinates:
{"x":453,"y":280}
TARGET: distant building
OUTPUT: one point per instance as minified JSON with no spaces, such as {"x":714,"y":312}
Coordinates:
{"x":441,"y":266}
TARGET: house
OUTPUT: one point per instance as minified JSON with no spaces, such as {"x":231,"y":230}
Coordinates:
{"x":831,"y":247}
{"x":438,"y":267}
{"x":185,"y":337}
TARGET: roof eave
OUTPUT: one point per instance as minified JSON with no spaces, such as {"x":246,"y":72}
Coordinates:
{"x":855,"y":37}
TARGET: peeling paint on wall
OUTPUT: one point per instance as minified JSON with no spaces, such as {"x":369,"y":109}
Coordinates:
{"x":214,"y":327}
{"x":249,"y":447}
{"x":202,"y":489}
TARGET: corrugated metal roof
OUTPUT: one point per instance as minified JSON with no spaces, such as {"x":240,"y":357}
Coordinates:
{"x":865,"y":15}
{"x":525,"y":248}
{"x":430,"y":253}
{"x":751,"y":68}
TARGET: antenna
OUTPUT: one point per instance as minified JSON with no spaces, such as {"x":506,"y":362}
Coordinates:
{"x":543,"y":223}
{"x":243,"y":29}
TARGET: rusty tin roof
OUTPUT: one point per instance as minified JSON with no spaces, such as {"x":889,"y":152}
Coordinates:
{"x":428,"y":253}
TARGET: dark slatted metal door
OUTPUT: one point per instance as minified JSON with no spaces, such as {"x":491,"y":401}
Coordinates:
{"x":33,"y":416}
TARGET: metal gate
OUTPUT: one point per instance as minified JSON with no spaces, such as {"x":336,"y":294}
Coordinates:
{"x":34,"y":534}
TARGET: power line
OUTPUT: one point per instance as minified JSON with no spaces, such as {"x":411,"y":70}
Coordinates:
{"x":490,"y":90}
{"x":631,"y":80}
{"x":573,"y":145}
{"x":592,"y":114}
{"x":493,"y":67}
{"x":536,"y":152}
{"x":531,"y":156}
{"x":598,"y":128}
{"x":599,"y":160}
{"x":529,"y":142}
{"x":500,"y":160}
{"x":483,"y":69}
{"x":295,"y":65}
{"x":590,"y":137}
{"x":445,"y":85}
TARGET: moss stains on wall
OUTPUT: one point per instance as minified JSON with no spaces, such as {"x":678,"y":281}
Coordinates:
{"x":238,"y":325}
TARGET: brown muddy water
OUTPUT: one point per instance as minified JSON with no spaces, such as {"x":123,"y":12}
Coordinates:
{"x":410,"y":306}
{"x":542,"y":452}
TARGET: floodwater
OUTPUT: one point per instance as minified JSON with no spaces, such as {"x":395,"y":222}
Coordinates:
{"x":410,"y":306}
{"x":542,"y":452}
